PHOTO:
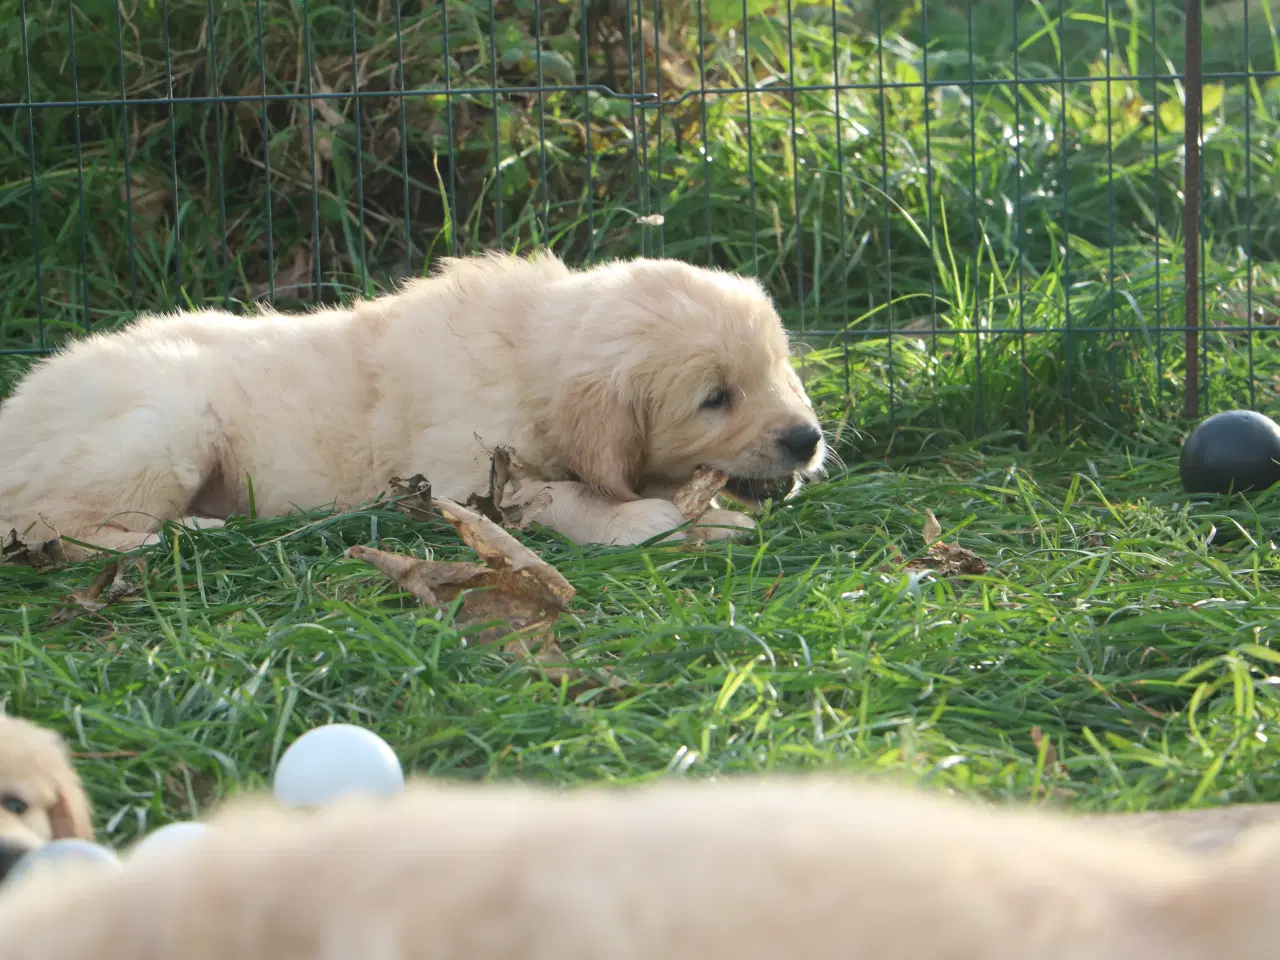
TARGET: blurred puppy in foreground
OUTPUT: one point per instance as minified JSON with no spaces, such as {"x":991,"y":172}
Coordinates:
{"x":728,"y":871}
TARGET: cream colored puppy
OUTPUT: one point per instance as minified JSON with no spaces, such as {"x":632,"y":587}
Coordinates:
{"x":40,"y":795}
{"x":736,"y":870}
{"x":612,"y":385}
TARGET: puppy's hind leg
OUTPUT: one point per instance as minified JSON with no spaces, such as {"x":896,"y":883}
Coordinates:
{"x":107,"y":480}
{"x":79,"y":543}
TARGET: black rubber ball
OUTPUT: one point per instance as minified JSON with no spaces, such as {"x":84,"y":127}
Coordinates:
{"x":1238,"y":450}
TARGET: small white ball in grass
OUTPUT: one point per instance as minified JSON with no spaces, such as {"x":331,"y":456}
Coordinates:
{"x":166,"y":838}
{"x":65,"y":853}
{"x":333,"y":761}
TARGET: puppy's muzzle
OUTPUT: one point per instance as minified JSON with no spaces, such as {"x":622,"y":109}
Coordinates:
{"x":800,"y":442}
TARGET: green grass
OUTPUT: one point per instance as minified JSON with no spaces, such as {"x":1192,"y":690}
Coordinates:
{"x":1109,"y":621}
{"x":1142,"y":654}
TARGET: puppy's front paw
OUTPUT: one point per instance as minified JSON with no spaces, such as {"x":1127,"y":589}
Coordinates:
{"x":639,"y":520}
{"x":718,"y":524}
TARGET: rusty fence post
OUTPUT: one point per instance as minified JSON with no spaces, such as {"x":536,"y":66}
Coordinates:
{"x":1193,"y":85}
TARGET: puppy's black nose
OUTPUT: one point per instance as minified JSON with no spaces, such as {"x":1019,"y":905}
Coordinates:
{"x":11,"y":851}
{"x":800,"y":441}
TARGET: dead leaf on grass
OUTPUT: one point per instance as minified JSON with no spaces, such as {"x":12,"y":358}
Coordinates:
{"x":432,"y":582}
{"x":940,"y":559}
{"x":414,"y":495}
{"x":523,"y":571}
{"x":108,"y":587}
{"x":932,"y":528}
{"x":949,"y":560}
{"x":36,"y":553}
{"x":499,"y":476}
{"x":297,"y":277}
{"x":511,"y":500}
{"x":515,"y":589}
{"x":148,"y":201}
{"x":1042,"y":742}
{"x":944,"y":559}
{"x":514,"y":586}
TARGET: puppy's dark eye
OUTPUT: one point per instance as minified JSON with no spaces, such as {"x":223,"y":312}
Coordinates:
{"x":14,"y":804}
{"x":717,"y":400}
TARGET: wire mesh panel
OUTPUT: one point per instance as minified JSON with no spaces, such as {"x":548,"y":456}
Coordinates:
{"x":972,"y":215}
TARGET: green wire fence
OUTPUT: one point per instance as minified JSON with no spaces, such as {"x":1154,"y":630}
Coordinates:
{"x":979,"y":217}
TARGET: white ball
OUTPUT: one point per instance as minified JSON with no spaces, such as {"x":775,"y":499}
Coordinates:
{"x":333,"y":761}
{"x":166,"y":838}
{"x":57,"y":854}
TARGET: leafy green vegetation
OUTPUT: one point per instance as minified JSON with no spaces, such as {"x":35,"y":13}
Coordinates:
{"x":1131,"y":629}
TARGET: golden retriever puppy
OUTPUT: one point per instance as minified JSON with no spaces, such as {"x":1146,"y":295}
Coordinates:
{"x":611,"y":385}
{"x":735,"y":870}
{"x":40,"y":795}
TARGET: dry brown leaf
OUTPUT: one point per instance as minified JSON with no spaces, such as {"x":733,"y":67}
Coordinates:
{"x":147,"y":201}
{"x":108,"y":587}
{"x":1148,"y":710}
{"x":514,"y":587}
{"x":943,"y":559}
{"x":487,"y":595}
{"x":414,"y":495}
{"x":1050,"y":751}
{"x":508,"y":501}
{"x":523,"y":570}
{"x":694,"y":498}
{"x":325,"y":111}
{"x":932,"y":528}
{"x":36,"y":553}
{"x":432,"y":582}
{"x":546,"y":655}
{"x":677,"y":67}
{"x":949,"y":560}
{"x":297,"y":277}
{"x":499,"y":476}
{"x":515,"y":590}
{"x":190,"y":792}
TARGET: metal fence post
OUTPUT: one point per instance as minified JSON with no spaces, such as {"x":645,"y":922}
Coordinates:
{"x":1191,"y":206}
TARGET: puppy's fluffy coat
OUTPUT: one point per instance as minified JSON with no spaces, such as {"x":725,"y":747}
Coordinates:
{"x":40,"y":795}
{"x":734,"y":870}
{"x":611,"y":384}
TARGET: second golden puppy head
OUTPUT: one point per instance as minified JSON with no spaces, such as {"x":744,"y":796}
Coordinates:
{"x":41,"y":798}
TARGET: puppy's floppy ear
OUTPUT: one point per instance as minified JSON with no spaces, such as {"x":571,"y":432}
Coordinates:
{"x":602,"y":437}
{"x":71,"y":816}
